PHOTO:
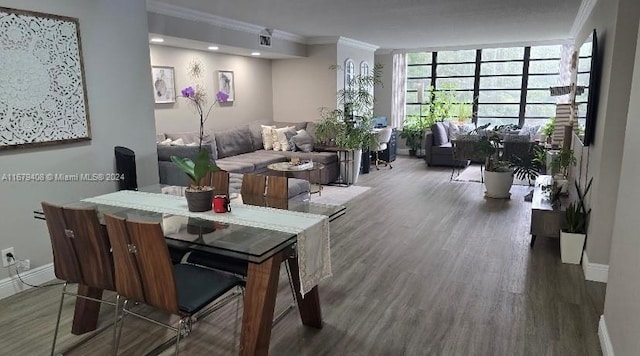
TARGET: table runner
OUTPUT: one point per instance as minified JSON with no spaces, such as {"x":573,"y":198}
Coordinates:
{"x":313,"y":246}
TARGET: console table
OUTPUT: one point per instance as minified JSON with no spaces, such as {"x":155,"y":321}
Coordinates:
{"x":546,"y":220}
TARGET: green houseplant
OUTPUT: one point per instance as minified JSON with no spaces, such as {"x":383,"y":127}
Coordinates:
{"x":572,"y":237}
{"x":548,"y":128}
{"x":349,"y":126}
{"x":199,"y":194}
{"x":498,"y":175}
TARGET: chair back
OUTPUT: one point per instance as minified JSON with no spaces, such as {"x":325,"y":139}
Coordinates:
{"x":277,"y":192}
{"x":383,"y":136}
{"x":144,"y":271}
{"x":80,"y":246}
{"x":253,"y":189}
{"x":522,"y":150}
{"x":219,"y":180}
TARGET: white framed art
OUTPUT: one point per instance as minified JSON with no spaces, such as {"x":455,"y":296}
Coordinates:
{"x":226,"y":83}
{"x":43,"y":96}
{"x":164,"y":86}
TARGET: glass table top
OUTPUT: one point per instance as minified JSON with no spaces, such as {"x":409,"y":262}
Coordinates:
{"x":232,"y":240}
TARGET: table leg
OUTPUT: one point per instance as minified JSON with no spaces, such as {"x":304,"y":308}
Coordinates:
{"x":309,"y":306}
{"x":259,"y":303}
{"x":85,"y":317}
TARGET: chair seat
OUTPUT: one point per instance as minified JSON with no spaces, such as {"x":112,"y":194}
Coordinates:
{"x":218,"y":262}
{"x":197,"y":287}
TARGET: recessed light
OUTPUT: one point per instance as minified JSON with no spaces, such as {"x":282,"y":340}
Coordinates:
{"x":157,"y":40}
{"x":213,"y":48}
{"x":255,"y":53}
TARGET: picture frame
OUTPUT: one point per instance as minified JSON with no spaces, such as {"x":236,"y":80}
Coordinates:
{"x":43,"y":92}
{"x":164,"y":85}
{"x":226,"y":83}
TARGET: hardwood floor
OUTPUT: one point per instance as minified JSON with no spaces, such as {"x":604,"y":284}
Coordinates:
{"x":422,"y":266}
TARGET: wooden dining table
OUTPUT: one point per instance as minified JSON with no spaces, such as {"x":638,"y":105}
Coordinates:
{"x":263,"y":249}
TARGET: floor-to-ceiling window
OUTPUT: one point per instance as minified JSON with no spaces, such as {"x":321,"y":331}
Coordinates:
{"x":501,"y":85}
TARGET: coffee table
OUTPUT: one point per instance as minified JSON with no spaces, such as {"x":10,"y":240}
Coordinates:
{"x":286,"y":169}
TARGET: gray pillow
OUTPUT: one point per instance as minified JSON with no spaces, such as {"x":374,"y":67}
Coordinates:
{"x":303,"y":141}
{"x":191,"y":152}
{"x":439,"y":131}
{"x":290,"y":135}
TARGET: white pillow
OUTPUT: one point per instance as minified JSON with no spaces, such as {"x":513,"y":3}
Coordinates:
{"x":166,"y":142}
{"x":267,"y":136}
{"x":192,"y":144}
{"x":178,"y":142}
{"x":453,"y":130}
{"x":280,"y":142}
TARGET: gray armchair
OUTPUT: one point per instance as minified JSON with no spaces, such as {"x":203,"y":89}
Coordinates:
{"x":438,"y":148}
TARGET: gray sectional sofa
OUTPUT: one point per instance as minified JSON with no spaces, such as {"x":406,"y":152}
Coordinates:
{"x":240,"y":150}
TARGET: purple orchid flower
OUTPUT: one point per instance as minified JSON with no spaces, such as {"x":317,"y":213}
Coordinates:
{"x":188,"y":92}
{"x":222,"y":97}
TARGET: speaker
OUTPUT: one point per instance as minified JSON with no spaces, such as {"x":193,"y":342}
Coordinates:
{"x":126,"y":168}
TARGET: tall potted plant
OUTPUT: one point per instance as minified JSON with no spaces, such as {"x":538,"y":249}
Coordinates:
{"x":498,"y":175}
{"x":572,"y":237}
{"x":199,"y":194}
{"x":349,"y":127}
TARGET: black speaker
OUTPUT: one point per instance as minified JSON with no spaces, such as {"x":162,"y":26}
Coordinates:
{"x":126,"y":168}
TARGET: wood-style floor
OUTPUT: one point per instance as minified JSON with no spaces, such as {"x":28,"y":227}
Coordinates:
{"x":421,"y":266}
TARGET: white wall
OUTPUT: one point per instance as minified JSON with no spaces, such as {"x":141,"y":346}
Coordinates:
{"x":304,"y":85}
{"x":344,"y":51}
{"x":116,"y":59}
{"x":616,"y":24}
{"x":253,"y":94}
{"x":622,"y":307}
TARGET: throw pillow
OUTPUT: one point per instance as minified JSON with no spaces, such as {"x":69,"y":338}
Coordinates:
{"x":280,"y":140}
{"x":267,"y":136}
{"x":178,"y":142}
{"x":439,"y":134}
{"x":453,"y":130}
{"x":303,"y":141}
{"x":290,"y":135}
{"x":166,"y":142}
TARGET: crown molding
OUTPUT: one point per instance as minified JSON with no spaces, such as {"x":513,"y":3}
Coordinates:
{"x":343,"y":41}
{"x":581,"y":18}
{"x":218,"y":21}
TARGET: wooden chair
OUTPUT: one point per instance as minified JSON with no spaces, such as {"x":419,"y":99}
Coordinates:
{"x":277,"y":195}
{"x":253,"y":189}
{"x":219,"y":180}
{"x":144,"y":273}
{"x":80,"y":254}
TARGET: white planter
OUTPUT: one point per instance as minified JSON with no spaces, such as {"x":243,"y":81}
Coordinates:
{"x":350,"y":165}
{"x":498,"y":184}
{"x":571,"y":246}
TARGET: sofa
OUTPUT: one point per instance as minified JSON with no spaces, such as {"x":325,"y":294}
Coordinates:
{"x":437,"y":145}
{"x":240,"y":150}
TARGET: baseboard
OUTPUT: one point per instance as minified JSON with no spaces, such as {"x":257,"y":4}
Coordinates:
{"x":605,"y":341}
{"x":12,"y":285}
{"x":594,"y":271}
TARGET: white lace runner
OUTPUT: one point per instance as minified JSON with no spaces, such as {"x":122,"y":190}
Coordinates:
{"x":314,"y":257}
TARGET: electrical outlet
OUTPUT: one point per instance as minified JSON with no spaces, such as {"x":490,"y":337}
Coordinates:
{"x":6,"y":262}
{"x":23,"y":266}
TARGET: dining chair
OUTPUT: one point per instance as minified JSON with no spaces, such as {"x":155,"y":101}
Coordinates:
{"x":80,"y":254}
{"x":383,"y":136}
{"x":219,"y":180}
{"x":277,"y":194}
{"x":253,"y":189}
{"x":144,"y":273}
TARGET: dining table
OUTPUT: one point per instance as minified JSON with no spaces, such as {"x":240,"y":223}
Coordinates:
{"x":263,"y":248}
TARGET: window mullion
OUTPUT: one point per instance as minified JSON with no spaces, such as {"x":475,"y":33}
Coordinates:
{"x":525,"y":83}
{"x":476,"y":87}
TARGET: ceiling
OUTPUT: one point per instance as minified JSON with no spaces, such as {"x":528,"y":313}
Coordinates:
{"x":405,"y":24}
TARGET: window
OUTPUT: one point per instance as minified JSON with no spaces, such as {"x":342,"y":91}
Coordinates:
{"x":349,"y":72}
{"x":504,"y":85}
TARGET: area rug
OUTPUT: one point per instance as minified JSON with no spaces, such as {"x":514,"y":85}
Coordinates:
{"x":472,"y":174}
{"x":338,"y":195}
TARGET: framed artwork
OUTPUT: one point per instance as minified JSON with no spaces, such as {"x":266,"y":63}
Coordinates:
{"x":225,"y":83}
{"x":164,"y":88}
{"x":43,"y":96}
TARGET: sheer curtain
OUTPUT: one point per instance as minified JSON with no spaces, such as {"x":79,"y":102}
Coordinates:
{"x":399,"y":87}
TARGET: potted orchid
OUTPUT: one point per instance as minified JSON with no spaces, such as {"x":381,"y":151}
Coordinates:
{"x":199,"y":194}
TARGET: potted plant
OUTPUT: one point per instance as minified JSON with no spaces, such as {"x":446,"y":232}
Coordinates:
{"x":199,"y":194}
{"x":349,"y":127}
{"x":547,"y":130}
{"x":573,"y":236}
{"x":530,"y":166}
{"x":413,"y":131}
{"x":498,"y":175}
{"x":560,"y":165}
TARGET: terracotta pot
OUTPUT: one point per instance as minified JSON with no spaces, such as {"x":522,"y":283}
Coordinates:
{"x":199,"y":200}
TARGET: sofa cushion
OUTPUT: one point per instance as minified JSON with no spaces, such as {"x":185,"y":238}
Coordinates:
{"x":445,"y":149}
{"x":280,"y":142}
{"x":439,"y":131}
{"x":259,"y":159}
{"x":303,"y":141}
{"x":165,"y":152}
{"x":233,"y":141}
{"x":194,"y":136}
{"x":233,"y":166}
